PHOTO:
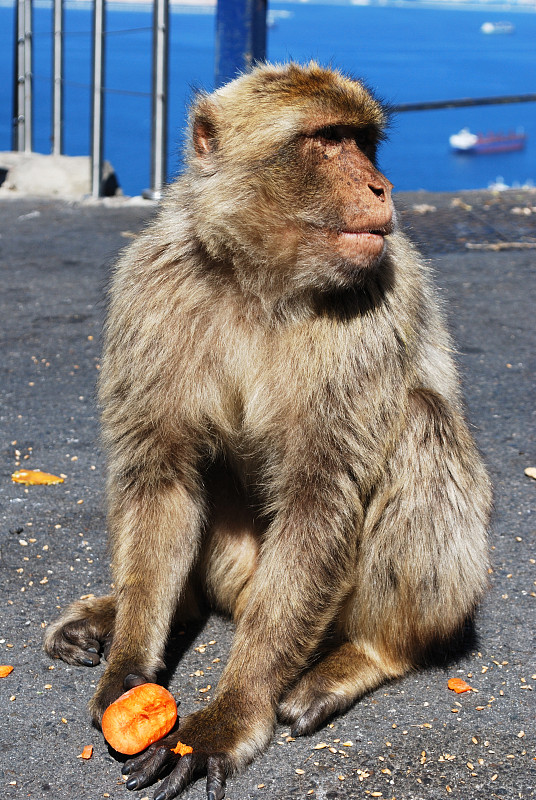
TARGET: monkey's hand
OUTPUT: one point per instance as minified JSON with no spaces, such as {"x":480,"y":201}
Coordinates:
{"x":111,"y":685}
{"x":159,"y":758}
{"x":216,"y":735}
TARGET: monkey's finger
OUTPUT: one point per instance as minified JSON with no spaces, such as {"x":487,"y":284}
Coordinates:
{"x":135,"y":764}
{"x":179,"y":779}
{"x":146,"y":771}
{"x":133,"y":679}
{"x":106,"y":645}
{"x":88,"y":658}
{"x":216,"y":777}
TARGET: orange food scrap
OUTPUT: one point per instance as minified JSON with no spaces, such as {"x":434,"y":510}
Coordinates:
{"x":138,"y":718}
{"x":182,"y":749}
{"x":458,"y":685}
{"x":87,"y":752}
{"x":34,"y":477}
{"x":5,"y":670}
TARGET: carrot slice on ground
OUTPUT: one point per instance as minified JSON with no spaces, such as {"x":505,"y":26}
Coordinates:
{"x":5,"y":670}
{"x":138,"y":718}
{"x":34,"y":477}
{"x":87,"y":752}
{"x":458,"y":685}
{"x":182,"y":749}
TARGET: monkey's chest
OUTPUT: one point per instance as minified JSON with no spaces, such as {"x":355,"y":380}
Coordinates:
{"x":323,"y":395}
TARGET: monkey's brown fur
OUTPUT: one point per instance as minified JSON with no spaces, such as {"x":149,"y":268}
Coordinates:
{"x":283,"y":426}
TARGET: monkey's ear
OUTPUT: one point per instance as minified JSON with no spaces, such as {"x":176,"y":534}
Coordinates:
{"x":204,"y":136}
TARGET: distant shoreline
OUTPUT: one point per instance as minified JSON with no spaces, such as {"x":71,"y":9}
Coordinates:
{"x":210,"y":5}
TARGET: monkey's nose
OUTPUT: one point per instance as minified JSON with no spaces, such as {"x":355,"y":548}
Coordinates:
{"x":378,"y":190}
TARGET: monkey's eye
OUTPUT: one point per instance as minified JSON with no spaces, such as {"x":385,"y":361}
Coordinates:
{"x":366,"y":140}
{"x":365,"y":137}
{"x":331,"y":133}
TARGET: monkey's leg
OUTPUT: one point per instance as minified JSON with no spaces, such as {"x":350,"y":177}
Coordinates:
{"x":155,"y":532}
{"x":421,"y":567}
{"x":83,"y":632}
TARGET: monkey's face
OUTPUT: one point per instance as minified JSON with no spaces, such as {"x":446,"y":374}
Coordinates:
{"x":345,"y":202}
{"x":289,"y":177}
{"x":323,"y":209}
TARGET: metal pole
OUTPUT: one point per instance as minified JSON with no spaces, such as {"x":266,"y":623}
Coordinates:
{"x":28,"y":77}
{"x":57,"y":80}
{"x":18,"y":94}
{"x":97,"y":99}
{"x":159,"y":99}
{"x":22,"y":100}
{"x":240,"y":37}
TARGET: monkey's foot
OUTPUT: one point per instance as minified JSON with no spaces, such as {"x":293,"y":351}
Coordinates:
{"x":306,"y":711}
{"x":328,"y":688}
{"x":160,"y":759}
{"x":83,"y":633}
{"x":334,"y":683}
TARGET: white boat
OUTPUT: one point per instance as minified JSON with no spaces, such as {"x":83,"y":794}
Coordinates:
{"x":467,"y":142}
{"x":497,"y":27}
{"x":464,"y":140}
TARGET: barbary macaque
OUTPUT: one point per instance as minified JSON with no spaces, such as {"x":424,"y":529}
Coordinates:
{"x":284,"y":432}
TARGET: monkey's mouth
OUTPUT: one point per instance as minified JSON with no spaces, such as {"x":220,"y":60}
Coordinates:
{"x":361,"y":246}
{"x":365,"y":232}
{"x":360,"y":235}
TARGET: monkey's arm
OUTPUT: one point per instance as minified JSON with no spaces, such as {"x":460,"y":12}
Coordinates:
{"x":301,"y":579}
{"x":155,"y":521}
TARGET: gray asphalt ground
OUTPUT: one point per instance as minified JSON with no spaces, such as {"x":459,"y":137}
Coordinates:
{"x":410,"y":740}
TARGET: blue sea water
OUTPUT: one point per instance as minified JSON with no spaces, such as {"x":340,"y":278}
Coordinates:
{"x":405,"y":52}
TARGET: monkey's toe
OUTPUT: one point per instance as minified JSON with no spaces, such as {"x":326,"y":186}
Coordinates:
{"x":312,"y":719}
{"x":133,"y":679}
{"x":146,"y":768}
{"x":72,"y":644}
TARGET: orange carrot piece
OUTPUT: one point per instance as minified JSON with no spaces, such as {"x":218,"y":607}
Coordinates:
{"x":182,"y":749}
{"x":458,"y":685}
{"x":138,"y":718}
{"x":87,"y":752}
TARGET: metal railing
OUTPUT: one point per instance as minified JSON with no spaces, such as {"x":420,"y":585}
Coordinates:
{"x":159,"y":99}
{"x":23,"y":95}
{"x":240,"y":40}
{"x":97,"y":98}
{"x":464,"y":102}
{"x":57,"y":79}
